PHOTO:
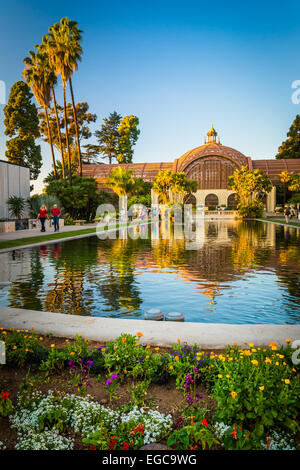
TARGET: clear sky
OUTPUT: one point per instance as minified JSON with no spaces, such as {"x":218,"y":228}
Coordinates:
{"x":177,"y":65}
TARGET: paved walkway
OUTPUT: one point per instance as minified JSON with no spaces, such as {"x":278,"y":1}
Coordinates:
{"x":36,"y":232}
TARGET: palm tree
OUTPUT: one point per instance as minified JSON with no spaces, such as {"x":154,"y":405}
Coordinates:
{"x":43,"y":48}
{"x":65,"y":52}
{"x":39,"y":77}
{"x":122,"y":182}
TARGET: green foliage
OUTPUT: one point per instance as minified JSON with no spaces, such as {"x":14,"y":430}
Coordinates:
{"x":197,"y":433}
{"x":16,"y":206}
{"x":108,"y":138}
{"x":128,"y":132}
{"x":290,"y":148}
{"x":6,"y":405}
{"x":237,"y":438}
{"x":167,"y":181}
{"x":139,"y":392}
{"x":80,"y":200}
{"x":256,"y":388}
{"x":22,"y":347}
{"x":22,"y":127}
{"x":145,"y":200}
{"x":250,"y":187}
{"x":294,"y":183}
{"x":122,"y":182}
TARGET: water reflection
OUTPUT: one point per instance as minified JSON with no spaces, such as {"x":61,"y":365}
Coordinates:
{"x":227,"y":272}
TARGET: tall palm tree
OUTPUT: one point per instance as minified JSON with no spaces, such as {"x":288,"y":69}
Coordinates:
{"x":65,"y":52}
{"x":43,"y":48}
{"x":39,"y":77}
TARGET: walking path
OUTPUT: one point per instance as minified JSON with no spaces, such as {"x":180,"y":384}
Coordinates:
{"x":37,"y":233}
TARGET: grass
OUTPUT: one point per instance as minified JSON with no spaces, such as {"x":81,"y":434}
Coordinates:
{"x":54,"y":236}
{"x":283,"y":222}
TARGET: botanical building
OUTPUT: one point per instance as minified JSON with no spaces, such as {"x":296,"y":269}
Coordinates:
{"x":210,"y":165}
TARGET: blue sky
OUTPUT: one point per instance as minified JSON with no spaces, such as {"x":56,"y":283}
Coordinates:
{"x":176,"y":65}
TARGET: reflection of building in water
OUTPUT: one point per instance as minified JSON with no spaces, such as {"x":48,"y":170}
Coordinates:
{"x":15,"y":265}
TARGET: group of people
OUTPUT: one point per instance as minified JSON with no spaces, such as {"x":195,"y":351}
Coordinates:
{"x":290,"y":213}
{"x":43,"y":214}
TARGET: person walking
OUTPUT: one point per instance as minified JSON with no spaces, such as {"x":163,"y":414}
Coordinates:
{"x":56,"y":213}
{"x":287,"y":213}
{"x":42,"y":216}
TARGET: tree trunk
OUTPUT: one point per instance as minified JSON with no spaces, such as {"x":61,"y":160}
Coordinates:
{"x":59,"y":136}
{"x":76,"y":129}
{"x":50,"y":142}
{"x":67,"y":135}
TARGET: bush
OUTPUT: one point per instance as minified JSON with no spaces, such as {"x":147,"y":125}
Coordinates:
{"x":256,"y":388}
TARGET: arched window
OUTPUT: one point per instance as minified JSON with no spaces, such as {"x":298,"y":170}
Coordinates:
{"x":232,"y":201}
{"x":211,"y":201}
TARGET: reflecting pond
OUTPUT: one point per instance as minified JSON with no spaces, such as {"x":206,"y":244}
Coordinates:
{"x":229,"y":272}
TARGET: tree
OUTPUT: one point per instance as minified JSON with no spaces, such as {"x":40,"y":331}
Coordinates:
{"x":56,"y":121}
{"x":40,"y":78}
{"x":16,"y":206}
{"x":64,"y":49}
{"x":294,"y":183}
{"x":22,"y":126}
{"x":290,"y":148}
{"x":169,"y":185}
{"x":108,"y":138}
{"x":250,"y":187}
{"x":285,"y":177}
{"x":79,"y":200}
{"x":122,"y":182}
{"x":162,"y":185}
{"x":128,"y":132}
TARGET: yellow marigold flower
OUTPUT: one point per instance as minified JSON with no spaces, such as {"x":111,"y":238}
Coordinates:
{"x":72,"y":353}
{"x":268,"y":360}
{"x":67,"y":340}
{"x":251,"y":345}
{"x":26,"y":350}
{"x":227,"y":376}
{"x":79,"y":334}
{"x":272,"y":343}
{"x":32,"y":329}
{"x":255,"y":362}
{"x":247,"y":352}
{"x":258,"y":349}
{"x":148,"y":346}
{"x":4,"y":332}
{"x":137,"y":344}
{"x":288,"y":340}
{"x":261,"y":388}
{"x":147,"y":357}
{"x":233,"y":394}
{"x":15,"y":347}
{"x":18,"y":331}
{"x":41,"y":338}
{"x":277,"y":363}
{"x":230,"y":359}
{"x":220,"y":376}
{"x":52,"y":346}
{"x":176,"y":358}
{"x":171,"y":367}
{"x":235,"y":344}
{"x":26,"y":331}
{"x":254,"y":350}
{"x":124,"y":340}
{"x":212,"y":365}
{"x":287,"y":381}
{"x":231,"y":351}
{"x":281,"y":356}
{"x":103,"y":349}
{"x":139,"y":334}
{"x":284,"y":363}
{"x":178,"y":340}
{"x":274,"y":348}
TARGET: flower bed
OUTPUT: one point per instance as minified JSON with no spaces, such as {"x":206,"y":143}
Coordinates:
{"x":126,"y":394}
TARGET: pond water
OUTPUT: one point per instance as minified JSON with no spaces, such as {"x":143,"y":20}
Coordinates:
{"x":230,"y":272}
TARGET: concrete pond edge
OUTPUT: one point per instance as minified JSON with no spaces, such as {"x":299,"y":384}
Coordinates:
{"x":158,"y":333}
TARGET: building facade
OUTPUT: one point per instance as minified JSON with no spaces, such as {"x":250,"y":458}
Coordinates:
{"x":14,"y":181}
{"x":210,"y":165}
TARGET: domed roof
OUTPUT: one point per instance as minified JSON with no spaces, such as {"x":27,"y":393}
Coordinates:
{"x":210,"y":149}
{"x":212,"y":131}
